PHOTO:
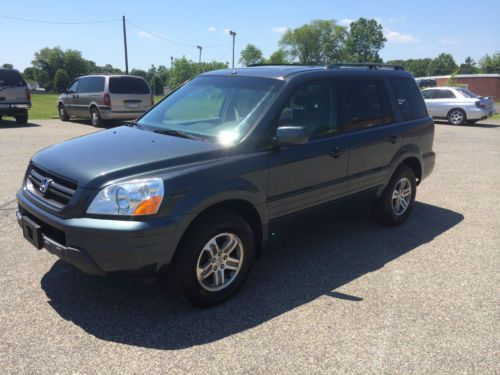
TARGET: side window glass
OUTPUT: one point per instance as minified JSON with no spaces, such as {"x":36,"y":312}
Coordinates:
{"x":83,"y":85}
{"x":364,"y":104}
{"x":410,"y":103}
{"x":73,"y":87}
{"x":311,"y":107}
{"x":429,"y":94}
{"x":96,"y":84}
{"x":446,"y":94}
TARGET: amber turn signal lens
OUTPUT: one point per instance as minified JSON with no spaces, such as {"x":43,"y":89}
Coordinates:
{"x":148,"y":206}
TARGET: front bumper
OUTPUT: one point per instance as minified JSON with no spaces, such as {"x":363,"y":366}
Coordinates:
{"x":102,"y":246}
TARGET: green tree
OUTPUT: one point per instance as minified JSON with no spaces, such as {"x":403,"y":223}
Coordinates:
{"x":156,"y":85}
{"x":164,"y":74}
{"x":74,"y":64}
{"x":61,"y":81}
{"x":490,"y":63}
{"x":139,"y":73}
{"x":182,"y":70}
{"x":443,"y":64}
{"x":8,"y":66}
{"x":251,"y":55}
{"x":279,"y":56}
{"x":48,"y":61}
{"x":364,"y":41}
{"x":318,"y":42}
{"x":468,"y":66}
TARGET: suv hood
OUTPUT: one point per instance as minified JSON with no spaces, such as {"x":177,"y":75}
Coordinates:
{"x":95,"y":159}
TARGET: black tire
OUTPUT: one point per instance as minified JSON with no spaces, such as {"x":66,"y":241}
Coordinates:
{"x":95,"y":117}
{"x":183,"y":271}
{"x":384,"y":207}
{"x":22,"y":118}
{"x":457,"y":117}
{"x":63,"y":115}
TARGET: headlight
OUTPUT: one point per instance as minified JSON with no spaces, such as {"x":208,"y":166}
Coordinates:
{"x":139,"y":197}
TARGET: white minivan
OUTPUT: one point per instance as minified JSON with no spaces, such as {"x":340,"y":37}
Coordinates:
{"x":105,"y":97}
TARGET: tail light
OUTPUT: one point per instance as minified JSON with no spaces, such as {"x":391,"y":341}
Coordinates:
{"x":107,"y":99}
{"x":480,"y":104}
{"x":152,"y":100}
{"x":28,"y":94}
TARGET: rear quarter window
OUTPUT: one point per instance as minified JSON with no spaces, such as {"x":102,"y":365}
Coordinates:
{"x":128,"y":85}
{"x":409,"y":99}
{"x":11,"y":78}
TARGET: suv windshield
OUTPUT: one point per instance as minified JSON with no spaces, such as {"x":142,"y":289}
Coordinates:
{"x":11,"y":78}
{"x":128,"y":85}
{"x":218,"y":108}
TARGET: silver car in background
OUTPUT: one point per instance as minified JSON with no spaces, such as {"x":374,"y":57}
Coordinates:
{"x":458,"y":105}
{"x":105,"y":97}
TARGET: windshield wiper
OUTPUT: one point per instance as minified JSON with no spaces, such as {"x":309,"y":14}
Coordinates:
{"x":179,"y":133}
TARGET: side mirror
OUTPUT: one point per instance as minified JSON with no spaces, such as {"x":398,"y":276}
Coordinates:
{"x":291,"y":135}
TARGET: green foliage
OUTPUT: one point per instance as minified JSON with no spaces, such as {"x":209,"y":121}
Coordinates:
{"x":251,"y":55}
{"x":318,"y":42}
{"x":61,"y":81}
{"x":468,"y":66}
{"x":443,"y":64}
{"x":278,"y":57}
{"x":490,"y":63}
{"x":156,"y":85}
{"x":182,"y":70}
{"x":8,"y":66}
{"x":364,"y":41}
{"x":139,"y":73}
{"x":417,"y":67}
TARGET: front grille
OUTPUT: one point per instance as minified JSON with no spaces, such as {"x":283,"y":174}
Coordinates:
{"x":58,"y":191}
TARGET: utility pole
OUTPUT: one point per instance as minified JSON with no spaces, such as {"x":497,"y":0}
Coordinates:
{"x":125,"y":44}
{"x":154,"y":79}
{"x":233,"y":34}
{"x":199,"y":58}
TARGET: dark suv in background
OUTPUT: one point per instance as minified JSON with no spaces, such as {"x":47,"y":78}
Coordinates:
{"x":197,"y":183}
{"x":15,"y":96}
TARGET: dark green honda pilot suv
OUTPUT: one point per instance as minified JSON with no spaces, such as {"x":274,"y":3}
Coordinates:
{"x":198,"y":182}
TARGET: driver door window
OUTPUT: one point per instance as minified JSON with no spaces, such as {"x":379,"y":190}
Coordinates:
{"x":72,"y":89}
{"x":312,"y":106}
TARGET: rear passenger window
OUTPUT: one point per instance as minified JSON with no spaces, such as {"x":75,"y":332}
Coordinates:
{"x":312,"y":106}
{"x":363,"y":104}
{"x":96,"y":84}
{"x":410,"y":102}
{"x":11,"y":78}
{"x":444,"y":94}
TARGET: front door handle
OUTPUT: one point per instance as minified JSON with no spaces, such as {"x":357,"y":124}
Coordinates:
{"x":336,"y":152}
{"x":75,"y":96}
{"x":393,"y":139}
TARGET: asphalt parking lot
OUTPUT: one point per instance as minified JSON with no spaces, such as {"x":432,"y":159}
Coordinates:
{"x":338,"y":295}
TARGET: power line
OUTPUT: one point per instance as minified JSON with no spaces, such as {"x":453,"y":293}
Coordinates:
{"x":57,"y":22}
{"x":173,"y":41}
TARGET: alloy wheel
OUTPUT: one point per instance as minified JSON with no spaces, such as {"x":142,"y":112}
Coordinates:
{"x":401,"y":196}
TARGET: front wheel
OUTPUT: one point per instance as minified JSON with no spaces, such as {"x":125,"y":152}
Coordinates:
{"x":396,"y":202}
{"x":457,"y":117}
{"x":214,"y":259}
{"x":63,"y":115}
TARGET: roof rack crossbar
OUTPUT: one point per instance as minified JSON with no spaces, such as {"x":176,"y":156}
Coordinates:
{"x":264,"y":64}
{"x":364,"y":65}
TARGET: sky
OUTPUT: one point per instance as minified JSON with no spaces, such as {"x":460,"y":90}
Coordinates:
{"x":414,"y":29}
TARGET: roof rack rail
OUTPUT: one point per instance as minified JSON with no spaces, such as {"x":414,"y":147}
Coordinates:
{"x":264,"y":64}
{"x":364,"y":65}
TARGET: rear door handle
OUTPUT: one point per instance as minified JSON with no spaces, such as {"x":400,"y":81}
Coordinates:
{"x":393,"y":139}
{"x":336,"y":152}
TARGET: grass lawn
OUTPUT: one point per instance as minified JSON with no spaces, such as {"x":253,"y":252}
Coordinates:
{"x":44,"y":106}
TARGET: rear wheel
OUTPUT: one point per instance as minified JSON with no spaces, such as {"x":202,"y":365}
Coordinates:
{"x":22,"y":118}
{"x":95,"y":117}
{"x":396,"y":202}
{"x":63,"y":115}
{"x":214,"y":259}
{"x":457,"y":117}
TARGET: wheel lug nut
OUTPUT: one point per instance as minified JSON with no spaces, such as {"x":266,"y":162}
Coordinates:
{"x":225,"y":257}
{"x":213,"y":260}
{"x":215,"y":268}
{"x":220,"y":253}
{"x":222,"y":266}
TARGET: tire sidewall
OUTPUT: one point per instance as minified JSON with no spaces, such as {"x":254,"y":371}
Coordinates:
{"x":99,"y":120}
{"x":388,"y":213}
{"x":186,"y":260}
{"x":63,"y":115}
{"x":464,"y":118}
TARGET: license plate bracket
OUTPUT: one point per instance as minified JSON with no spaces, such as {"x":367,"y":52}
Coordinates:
{"x":32,"y":232}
